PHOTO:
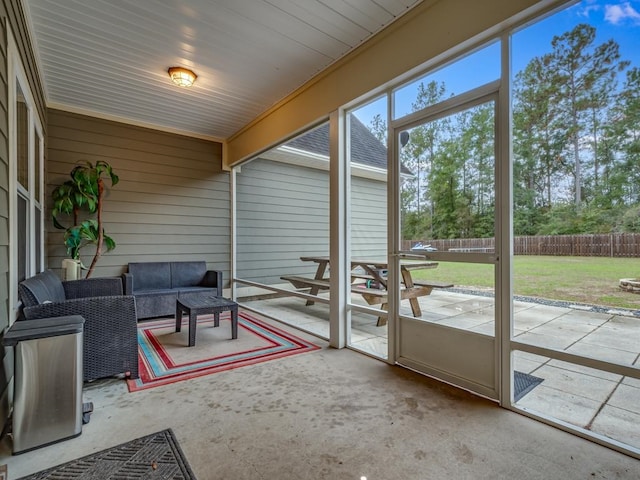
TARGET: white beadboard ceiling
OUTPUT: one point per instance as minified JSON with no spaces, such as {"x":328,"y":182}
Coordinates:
{"x":110,"y":58}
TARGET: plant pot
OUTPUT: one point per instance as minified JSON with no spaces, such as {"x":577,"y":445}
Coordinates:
{"x":71,"y":269}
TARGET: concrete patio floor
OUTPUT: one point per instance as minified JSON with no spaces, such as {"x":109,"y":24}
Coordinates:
{"x":330,"y":414}
{"x":597,"y":401}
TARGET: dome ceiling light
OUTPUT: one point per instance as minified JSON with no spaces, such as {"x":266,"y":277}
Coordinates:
{"x":182,"y":77}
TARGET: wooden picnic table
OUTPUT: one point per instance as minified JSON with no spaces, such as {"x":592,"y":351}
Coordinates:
{"x":374,"y":290}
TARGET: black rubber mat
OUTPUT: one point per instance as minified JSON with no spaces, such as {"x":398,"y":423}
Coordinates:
{"x":523,"y":383}
{"x":157,"y":456}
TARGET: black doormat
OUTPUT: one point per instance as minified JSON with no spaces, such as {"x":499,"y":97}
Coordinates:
{"x":523,"y":383}
{"x":157,"y":456}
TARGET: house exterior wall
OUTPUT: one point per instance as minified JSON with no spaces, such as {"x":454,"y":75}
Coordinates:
{"x":11,"y":15}
{"x":7,"y":353}
{"x":172,"y":201}
{"x":283,"y":214}
{"x":368,"y":225}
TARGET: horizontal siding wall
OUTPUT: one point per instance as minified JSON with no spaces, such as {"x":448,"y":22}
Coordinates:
{"x":5,"y":219}
{"x":368,"y":218}
{"x":6,"y":368}
{"x":283,"y":214}
{"x":11,"y":15}
{"x":172,"y":201}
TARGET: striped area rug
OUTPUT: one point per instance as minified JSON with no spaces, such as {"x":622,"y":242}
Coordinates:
{"x":164,"y":356}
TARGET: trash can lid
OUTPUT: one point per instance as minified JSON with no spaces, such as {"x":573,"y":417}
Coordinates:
{"x":42,"y":328}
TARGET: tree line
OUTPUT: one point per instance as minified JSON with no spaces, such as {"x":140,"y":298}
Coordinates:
{"x":576,"y":150}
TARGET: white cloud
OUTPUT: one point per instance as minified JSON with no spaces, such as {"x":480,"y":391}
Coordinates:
{"x":588,"y":7}
{"x":618,"y":13}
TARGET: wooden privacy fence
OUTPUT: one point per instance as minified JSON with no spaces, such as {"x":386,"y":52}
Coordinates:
{"x":594,"y":245}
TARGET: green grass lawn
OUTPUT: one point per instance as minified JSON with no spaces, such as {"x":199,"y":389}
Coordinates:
{"x":592,"y":280}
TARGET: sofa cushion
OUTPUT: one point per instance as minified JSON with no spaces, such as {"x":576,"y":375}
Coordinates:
{"x":185,"y":291}
{"x":187,"y":274}
{"x":156,"y":303}
{"x":43,"y":287}
{"x":150,"y":275}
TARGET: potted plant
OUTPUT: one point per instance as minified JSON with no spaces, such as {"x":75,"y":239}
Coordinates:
{"x":84,"y":192}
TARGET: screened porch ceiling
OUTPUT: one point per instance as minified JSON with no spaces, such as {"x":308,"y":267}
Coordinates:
{"x":110,"y":59}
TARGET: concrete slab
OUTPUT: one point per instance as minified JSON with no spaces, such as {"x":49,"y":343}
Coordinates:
{"x":626,"y":397}
{"x":464,"y":321}
{"x":552,"y":329}
{"x":526,"y":365}
{"x":574,"y":409}
{"x":614,"y":422}
{"x":625,"y":338}
{"x":519,"y":354}
{"x":588,"y":317}
{"x":487,"y":328}
{"x":547,"y":312}
{"x":572,"y":367}
{"x":602,"y":353}
{"x":535,"y":316}
{"x":373,"y":346}
{"x":573,"y":383}
{"x":634,"y":382}
{"x":572,"y":324}
{"x":466,"y":306}
{"x":550,"y":341}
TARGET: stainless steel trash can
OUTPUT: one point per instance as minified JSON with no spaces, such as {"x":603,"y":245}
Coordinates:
{"x":47,"y":401}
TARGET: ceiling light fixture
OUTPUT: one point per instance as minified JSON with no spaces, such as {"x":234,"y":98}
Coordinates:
{"x":182,"y":76}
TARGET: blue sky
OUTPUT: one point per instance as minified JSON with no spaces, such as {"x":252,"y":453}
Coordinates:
{"x":613,"y":19}
{"x":618,"y":20}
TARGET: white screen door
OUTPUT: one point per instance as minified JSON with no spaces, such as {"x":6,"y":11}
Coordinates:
{"x":447,"y":256}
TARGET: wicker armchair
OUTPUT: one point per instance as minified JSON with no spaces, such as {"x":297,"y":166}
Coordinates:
{"x":110,"y":328}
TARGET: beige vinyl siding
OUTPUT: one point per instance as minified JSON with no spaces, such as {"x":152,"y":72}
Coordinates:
{"x":7,"y":353}
{"x":283,"y":214}
{"x":11,"y":13}
{"x":4,"y":178}
{"x":172,"y":200}
{"x":368,"y":218}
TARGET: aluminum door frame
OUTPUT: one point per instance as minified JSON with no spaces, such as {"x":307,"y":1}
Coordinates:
{"x":474,"y":363}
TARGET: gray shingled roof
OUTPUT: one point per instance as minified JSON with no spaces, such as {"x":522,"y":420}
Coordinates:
{"x":366,"y":148}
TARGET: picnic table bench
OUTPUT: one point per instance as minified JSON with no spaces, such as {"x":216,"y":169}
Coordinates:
{"x":374,"y":290}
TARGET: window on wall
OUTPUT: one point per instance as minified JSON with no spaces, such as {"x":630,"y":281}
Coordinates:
{"x":22,"y":154}
{"x":26,"y":150}
{"x":37,"y":200}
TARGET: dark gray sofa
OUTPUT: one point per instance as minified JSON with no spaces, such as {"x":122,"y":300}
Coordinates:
{"x":110,"y":337}
{"x":157,"y":285}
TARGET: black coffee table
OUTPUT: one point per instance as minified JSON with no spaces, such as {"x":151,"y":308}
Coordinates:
{"x":200,"y":304}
